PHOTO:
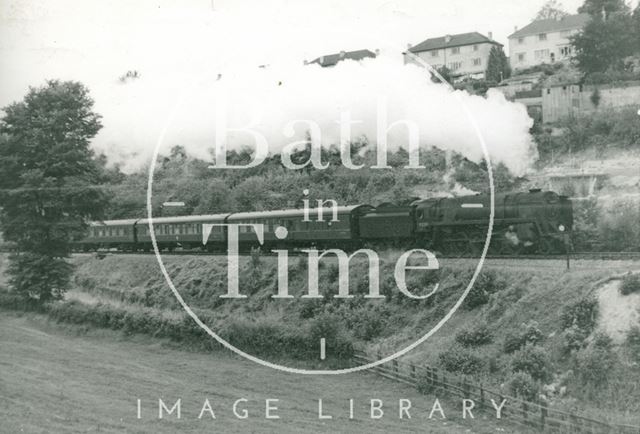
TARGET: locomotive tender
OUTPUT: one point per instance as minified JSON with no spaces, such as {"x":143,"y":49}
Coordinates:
{"x":533,"y":222}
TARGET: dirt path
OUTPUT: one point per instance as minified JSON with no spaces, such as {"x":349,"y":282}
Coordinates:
{"x":52,"y":380}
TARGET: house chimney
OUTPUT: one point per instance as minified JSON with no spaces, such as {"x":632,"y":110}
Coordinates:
{"x":447,"y":39}
{"x":490,"y":35}
{"x":377,"y":51}
{"x":321,"y":60}
{"x":342,"y":54}
{"x":306,"y":62}
{"x":515,"y":28}
{"x":408,"y":45}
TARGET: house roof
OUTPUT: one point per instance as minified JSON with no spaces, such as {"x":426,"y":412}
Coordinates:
{"x":569,"y":22}
{"x":332,"y":59}
{"x":451,"y":41}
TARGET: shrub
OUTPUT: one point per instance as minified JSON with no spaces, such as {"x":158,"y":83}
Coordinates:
{"x":480,"y":335}
{"x":522,"y":385}
{"x":331,"y":328}
{"x":367,"y":324}
{"x":573,"y":338}
{"x":529,"y":334}
{"x":630,"y":284}
{"x":582,"y":314}
{"x":534,"y":361}
{"x":459,"y":359}
{"x":486,"y":284}
{"x":594,"y":364}
{"x":633,"y":343}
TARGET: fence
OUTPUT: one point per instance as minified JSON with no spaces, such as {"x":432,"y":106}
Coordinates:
{"x":515,"y":410}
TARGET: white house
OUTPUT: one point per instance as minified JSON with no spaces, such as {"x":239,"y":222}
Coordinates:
{"x":544,"y":41}
{"x":465,"y":54}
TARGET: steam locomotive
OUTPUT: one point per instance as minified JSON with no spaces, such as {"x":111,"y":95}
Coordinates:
{"x":524,"y":222}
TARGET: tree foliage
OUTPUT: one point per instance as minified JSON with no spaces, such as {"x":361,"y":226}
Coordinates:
{"x":498,"y":67}
{"x":552,"y":9}
{"x":602,"y":8}
{"x":604,"y":44}
{"x":47,"y":179}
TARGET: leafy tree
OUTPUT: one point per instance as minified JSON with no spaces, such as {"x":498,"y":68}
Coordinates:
{"x":603,"y":8}
{"x":47,"y":184}
{"x":636,"y":25}
{"x":552,"y":9}
{"x":604,"y":43}
{"x":498,"y":65}
{"x":444,"y":73}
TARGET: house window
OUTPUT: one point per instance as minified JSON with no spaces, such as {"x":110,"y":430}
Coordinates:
{"x":521,"y":57}
{"x":565,"y":51}
{"x":542,"y":37}
{"x":541,"y":54}
{"x":455,"y":50}
{"x":434,"y":53}
{"x":475,"y":48}
{"x":477,"y":62}
{"x":520,"y":40}
{"x":454,"y":66}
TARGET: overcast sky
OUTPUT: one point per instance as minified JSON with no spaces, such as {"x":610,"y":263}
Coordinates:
{"x":94,"y":40}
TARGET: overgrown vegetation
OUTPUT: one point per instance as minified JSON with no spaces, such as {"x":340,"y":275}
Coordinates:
{"x":600,"y":130}
{"x":461,"y":360}
{"x":476,"y":336}
{"x":630,"y":284}
{"x":529,"y":334}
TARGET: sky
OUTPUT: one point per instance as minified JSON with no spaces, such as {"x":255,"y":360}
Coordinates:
{"x":173,"y":44}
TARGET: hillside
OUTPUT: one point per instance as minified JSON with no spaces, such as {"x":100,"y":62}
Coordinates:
{"x":531,"y":317}
{"x":58,"y":379}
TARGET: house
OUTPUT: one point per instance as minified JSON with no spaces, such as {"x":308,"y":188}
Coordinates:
{"x":464,"y":54}
{"x":544,"y":41}
{"x":331,"y":60}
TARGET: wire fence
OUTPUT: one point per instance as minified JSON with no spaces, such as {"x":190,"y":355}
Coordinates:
{"x":518,"y":411}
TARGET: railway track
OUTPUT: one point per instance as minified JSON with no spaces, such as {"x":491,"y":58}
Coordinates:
{"x":603,"y":256}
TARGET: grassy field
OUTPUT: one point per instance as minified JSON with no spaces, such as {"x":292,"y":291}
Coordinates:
{"x":56,"y":378}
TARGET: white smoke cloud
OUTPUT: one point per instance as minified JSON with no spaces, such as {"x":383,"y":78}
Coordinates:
{"x":179,"y":51}
{"x":267,"y":100}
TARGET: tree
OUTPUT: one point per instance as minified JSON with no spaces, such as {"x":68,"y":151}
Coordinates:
{"x":603,"y":44}
{"x":498,"y":67}
{"x":47,"y":184}
{"x":636,"y":26}
{"x":444,"y":73}
{"x":552,"y":9}
{"x":603,"y":8}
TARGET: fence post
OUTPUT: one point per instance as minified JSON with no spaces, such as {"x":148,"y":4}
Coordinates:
{"x":394,"y":365}
{"x":543,"y":416}
{"x":524,"y":410}
{"x":412,"y":371}
{"x":482,"y":404}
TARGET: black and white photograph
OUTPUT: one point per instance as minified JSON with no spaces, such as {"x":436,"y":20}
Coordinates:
{"x":279,"y":216}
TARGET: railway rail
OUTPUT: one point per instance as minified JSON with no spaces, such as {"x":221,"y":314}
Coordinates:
{"x":608,"y":256}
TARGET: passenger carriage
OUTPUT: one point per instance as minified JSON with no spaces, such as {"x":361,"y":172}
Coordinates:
{"x":185,"y":231}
